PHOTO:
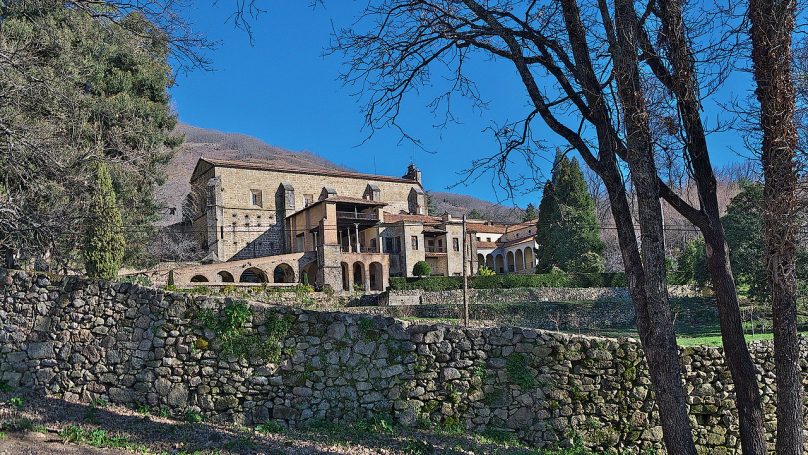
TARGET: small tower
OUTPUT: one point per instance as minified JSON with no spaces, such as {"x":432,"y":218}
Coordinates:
{"x":413,"y":173}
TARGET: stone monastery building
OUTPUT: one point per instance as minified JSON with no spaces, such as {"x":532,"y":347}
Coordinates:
{"x":261,"y":222}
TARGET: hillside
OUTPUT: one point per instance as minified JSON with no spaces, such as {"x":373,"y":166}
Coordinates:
{"x":234,"y":146}
{"x":461,"y":204}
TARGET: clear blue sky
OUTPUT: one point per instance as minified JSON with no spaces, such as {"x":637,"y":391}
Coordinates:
{"x":284,"y":90}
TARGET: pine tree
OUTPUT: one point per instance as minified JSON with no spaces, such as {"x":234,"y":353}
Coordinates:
{"x":568,"y":234}
{"x":530,"y":213}
{"x":105,"y":243}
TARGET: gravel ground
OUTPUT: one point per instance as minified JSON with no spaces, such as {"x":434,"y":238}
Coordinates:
{"x":41,"y":425}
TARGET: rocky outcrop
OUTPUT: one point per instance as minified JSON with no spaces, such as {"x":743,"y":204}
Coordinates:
{"x":226,"y":359}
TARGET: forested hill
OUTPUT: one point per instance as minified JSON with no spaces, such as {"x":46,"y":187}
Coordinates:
{"x":234,"y":146}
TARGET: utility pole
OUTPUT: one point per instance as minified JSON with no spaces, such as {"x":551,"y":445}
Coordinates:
{"x":465,"y":279}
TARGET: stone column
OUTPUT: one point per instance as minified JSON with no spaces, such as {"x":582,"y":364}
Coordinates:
{"x":366,"y":269}
{"x":358,"y":249}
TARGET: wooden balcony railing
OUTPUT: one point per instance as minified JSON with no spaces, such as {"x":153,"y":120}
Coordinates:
{"x":357,"y":216}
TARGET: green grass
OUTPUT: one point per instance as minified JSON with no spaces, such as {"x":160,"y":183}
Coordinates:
{"x":715,"y":340}
{"x":99,"y":438}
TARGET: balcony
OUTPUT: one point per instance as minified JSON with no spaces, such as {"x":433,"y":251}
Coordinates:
{"x":357,"y":216}
{"x":435,"y":249}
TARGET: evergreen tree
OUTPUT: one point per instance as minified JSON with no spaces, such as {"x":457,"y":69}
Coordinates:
{"x":692,"y":263}
{"x":431,"y":207}
{"x":76,"y":82}
{"x":530,"y":213}
{"x":105,"y":243}
{"x":475,"y":215}
{"x":743,"y":224}
{"x":568,"y":234}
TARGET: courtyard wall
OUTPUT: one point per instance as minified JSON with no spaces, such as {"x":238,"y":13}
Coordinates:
{"x":225,"y":359}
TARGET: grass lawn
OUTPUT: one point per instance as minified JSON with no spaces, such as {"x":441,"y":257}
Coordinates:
{"x":697,"y":324}
{"x":715,"y":340}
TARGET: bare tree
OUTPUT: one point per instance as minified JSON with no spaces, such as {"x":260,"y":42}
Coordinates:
{"x":562,"y":57}
{"x":539,"y":41}
{"x":772,"y":24}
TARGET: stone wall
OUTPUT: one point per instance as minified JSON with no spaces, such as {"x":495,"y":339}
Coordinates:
{"x":130,"y":345}
{"x":522,"y":295}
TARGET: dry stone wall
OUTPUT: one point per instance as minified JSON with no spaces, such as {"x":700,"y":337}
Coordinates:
{"x":522,"y":295}
{"x":130,"y":345}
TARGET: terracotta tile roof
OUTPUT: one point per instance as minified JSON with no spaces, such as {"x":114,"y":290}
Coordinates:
{"x":487,"y":245}
{"x":496,"y":228}
{"x":518,"y":241}
{"x":269,"y":166}
{"x":488,"y":228}
{"x":354,"y":200}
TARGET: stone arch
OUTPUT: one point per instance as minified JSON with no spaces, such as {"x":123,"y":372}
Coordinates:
{"x":283,"y":273}
{"x":346,"y":276}
{"x":253,"y":275}
{"x":530,"y":259}
{"x":359,"y":274}
{"x":510,"y":260}
{"x":376,"y":274}
{"x":199,"y":279}
{"x":226,"y":277}
{"x":480,"y":260}
{"x":520,"y":260}
{"x":500,"y":264}
{"x":489,"y":261}
{"x":310,"y":274}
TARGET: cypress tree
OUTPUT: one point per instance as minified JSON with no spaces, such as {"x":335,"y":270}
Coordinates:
{"x":105,"y":243}
{"x":530,"y":213}
{"x":568,"y":233}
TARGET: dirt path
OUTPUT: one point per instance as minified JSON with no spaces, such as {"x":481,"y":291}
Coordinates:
{"x":32,"y":424}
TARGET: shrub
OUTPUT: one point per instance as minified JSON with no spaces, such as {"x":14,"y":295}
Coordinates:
{"x":545,"y":280}
{"x":485,"y":271}
{"x":421,"y":269}
{"x":193,"y":417}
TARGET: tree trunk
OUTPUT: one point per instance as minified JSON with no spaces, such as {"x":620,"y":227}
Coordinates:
{"x":772,"y":25}
{"x":685,"y":86}
{"x":640,"y":157}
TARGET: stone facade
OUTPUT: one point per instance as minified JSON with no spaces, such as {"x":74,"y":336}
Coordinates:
{"x":506,"y":248}
{"x":239,"y":208}
{"x":129,"y":345}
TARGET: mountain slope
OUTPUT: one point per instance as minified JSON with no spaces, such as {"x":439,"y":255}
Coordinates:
{"x":234,"y":146}
{"x":461,"y":204}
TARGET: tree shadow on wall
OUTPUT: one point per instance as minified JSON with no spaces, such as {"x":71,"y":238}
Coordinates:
{"x":163,"y":435}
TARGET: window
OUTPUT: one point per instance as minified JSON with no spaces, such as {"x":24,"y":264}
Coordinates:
{"x":488,"y":239}
{"x":456,"y":244}
{"x":308,"y":199}
{"x":414,"y":240}
{"x":392,"y":245}
{"x":256,"y":197}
